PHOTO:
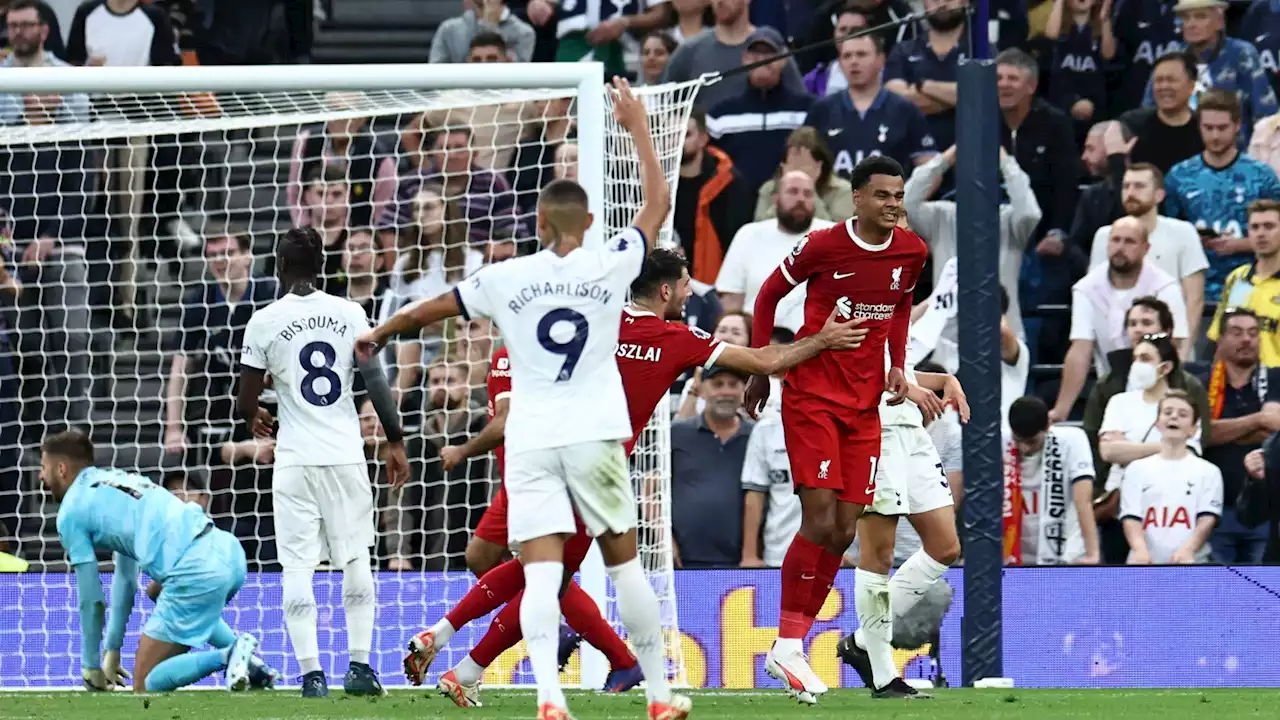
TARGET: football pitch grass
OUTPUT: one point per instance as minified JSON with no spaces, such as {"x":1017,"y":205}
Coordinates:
{"x":708,"y":705}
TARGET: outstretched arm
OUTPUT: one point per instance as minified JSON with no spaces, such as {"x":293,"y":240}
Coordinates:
{"x":771,"y":293}
{"x":774,"y":359}
{"x":487,"y":440}
{"x":632,"y":115}
{"x":408,"y":319}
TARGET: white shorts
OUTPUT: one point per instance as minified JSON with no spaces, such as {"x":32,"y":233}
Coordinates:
{"x":909,"y":476}
{"x":322,"y":512}
{"x":545,"y":486}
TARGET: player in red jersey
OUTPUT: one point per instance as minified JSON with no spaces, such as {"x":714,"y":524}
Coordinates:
{"x":865,"y":268}
{"x":654,"y":349}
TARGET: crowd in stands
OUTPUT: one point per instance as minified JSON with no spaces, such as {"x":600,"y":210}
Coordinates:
{"x":1139,"y":252}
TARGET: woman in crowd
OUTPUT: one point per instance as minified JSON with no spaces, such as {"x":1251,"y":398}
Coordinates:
{"x":655,"y":51}
{"x":808,"y":153}
{"x":734,"y":328}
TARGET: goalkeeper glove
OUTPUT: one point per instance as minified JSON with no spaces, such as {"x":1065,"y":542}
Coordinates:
{"x":95,"y":680}
{"x":115,"y":674}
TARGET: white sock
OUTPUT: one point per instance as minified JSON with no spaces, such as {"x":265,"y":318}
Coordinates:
{"x":468,"y":671}
{"x":788,"y":646}
{"x":444,"y":631}
{"x":540,"y":623}
{"x":871,"y":598}
{"x":359,"y":598}
{"x":300,"y":617}
{"x":912,"y":579}
{"x":638,"y":608}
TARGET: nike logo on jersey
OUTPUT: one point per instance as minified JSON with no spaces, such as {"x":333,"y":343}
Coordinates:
{"x":1192,"y":193}
{"x":841,"y":276}
{"x":834,"y":132}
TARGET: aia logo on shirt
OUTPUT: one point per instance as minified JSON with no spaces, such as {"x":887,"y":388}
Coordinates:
{"x":1162,"y":517}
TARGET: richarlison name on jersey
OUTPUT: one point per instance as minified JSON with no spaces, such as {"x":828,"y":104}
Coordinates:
{"x":318,"y":322}
{"x":528,"y":293}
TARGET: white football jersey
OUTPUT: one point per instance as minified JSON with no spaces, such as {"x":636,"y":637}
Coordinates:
{"x":905,"y":413}
{"x":1168,"y":497}
{"x":559,"y":319}
{"x":307,"y":345}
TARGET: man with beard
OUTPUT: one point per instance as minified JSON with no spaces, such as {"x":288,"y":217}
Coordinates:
{"x":712,"y":201}
{"x":923,"y":69}
{"x":759,"y":248}
{"x":1175,"y":244}
{"x":1100,"y":302}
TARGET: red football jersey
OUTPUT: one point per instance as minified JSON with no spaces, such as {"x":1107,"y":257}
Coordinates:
{"x":859,"y":280}
{"x":652,"y":354}
{"x":498,"y":384}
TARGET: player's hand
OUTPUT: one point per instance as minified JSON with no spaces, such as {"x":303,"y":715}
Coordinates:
{"x":930,"y":406}
{"x":540,"y":12}
{"x":606,"y":32}
{"x":397,"y":465}
{"x":953,"y":396}
{"x":174,"y":440}
{"x":450,"y":457}
{"x":366,"y":346}
{"x":837,"y":334}
{"x":153,"y":590}
{"x":1255,"y":464}
{"x":1056,"y":417}
{"x":898,"y":385}
{"x":751,"y":562}
{"x":756,"y":396}
{"x":263,"y":424}
{"x":1183,"y":556}
{"x":1088,"y":560}
{"x":95,"y":680}
{"x":628,"y":110}
{"x":116,"y":675}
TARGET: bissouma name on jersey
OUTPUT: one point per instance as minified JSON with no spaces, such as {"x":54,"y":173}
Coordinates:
{"x":631,"y":351}
{"x":536,"y":290}
{"x":318,"y":322}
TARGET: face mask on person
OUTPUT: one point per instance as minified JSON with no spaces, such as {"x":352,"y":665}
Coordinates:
{"x":1143,"y":376}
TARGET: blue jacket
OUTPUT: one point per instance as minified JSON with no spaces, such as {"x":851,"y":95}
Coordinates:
{"x":1234,"y":65}
{"x":752,"y":128}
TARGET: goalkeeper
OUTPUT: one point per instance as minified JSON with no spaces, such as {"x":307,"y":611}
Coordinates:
{"x":176,"y":544}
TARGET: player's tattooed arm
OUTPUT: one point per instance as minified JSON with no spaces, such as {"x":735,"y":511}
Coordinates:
{"x":774,"y":359}
{"x":408,"y":319}
{"x":488,"y":439}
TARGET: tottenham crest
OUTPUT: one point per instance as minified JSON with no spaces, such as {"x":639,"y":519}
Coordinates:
{"x":897,"y":279}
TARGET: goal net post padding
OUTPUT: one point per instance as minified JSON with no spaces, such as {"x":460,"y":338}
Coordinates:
{"x":136,"y":172}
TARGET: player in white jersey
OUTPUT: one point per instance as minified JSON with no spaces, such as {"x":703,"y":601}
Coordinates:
{"x":559,"y":311}
{"x":910,"y":481}
{"x":320,"y":489}
{"x":1171,"y":501}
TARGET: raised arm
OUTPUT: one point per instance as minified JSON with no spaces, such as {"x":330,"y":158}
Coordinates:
{"x":631,"y":114}
{"x":487,"y":440}
{"x":408,"y":319}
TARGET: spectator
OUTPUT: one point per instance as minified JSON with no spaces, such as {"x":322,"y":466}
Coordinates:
{"x":760,"y":247}
{"x":708,"y":452}
{"x":363,"y":279}
{"x":827,"y":78}
{"x":655,"y":53}
{"x":1101,"y":300}
{"x":121,"y":33}
{"x":771,"y":507}
{"x":1213,"y":190}
{"x":323,"y":205}
{"x":1256,"y":285}
{"x":868,"y":120}
{"x":734,"y":328}
{"x":692,"y":17}
{"x":1094,"y":156}
{"x":1083,"y":44}
{"x":720,"y":49}
{"x":1244,"y":408}
{"x":1175,"y":244}
{"x":1100,"y":202}
{"x":11,"y":483}
{"x":712,"y":201}
{"x":890,"y":14}
{"x":189,"y":487}
{"x":1147,"y":32}
{"x":753,"y":127}
{"x":1259,"y":502}
{"x":586,"y":31}
{"x":1049,"y":476}
{"x":548,"y":125}
{"x":923,"y":69}
{"x":201,"y":386}
{"x":253,"y":32}
{"x":1229,"y":64}
{"x":566,"y":161}
{"x":46,"y":24}
{"x":1162,"y":494}
{"x":935,"y":220}
{"x":349,"y":146}
{"x":1260,"y":26}
{"x":451,"y":42}
{"x":1167,"y":133}
{"x":807,"y":152}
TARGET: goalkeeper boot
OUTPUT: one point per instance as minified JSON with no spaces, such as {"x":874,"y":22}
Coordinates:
{"x":569,"y":642}
{"x":239,"y":656}
{"x":856,"y":658}
{"x":261,"y":675}
{"x":677,"y":708}
{"x":792,"y":669}
{"x":315,"y":685}
{"x":361,"y":680}
{"x":623,"y":679}
{"x":422,"y":651}
{"x":900,"y":690}
{"x":464,"y":696}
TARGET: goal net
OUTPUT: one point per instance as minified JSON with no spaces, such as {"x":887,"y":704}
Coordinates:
{"x":139,"y":225}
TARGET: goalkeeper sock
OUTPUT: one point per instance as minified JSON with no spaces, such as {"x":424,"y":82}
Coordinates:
{"x":640,"y":613}
{"x":540,"y":622}
{"x":909,"y":584}
{"x":359,"y":597}
{"x":300,"y":617}
{"x":871,"y":598}
{"x":824,"y":579}
{"x":504,"y":632}
{"x":584,"y":617}
{"x":183,"y":670}
{"x":223,"y":636}
{"x":496,"y":587}
{"x":799,"y":585}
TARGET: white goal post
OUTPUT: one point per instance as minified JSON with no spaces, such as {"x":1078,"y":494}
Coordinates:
{"x":122,"y":306}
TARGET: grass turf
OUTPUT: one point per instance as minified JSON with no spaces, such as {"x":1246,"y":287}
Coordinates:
{"x":708,"y":705}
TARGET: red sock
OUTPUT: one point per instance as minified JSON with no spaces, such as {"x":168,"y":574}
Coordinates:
{"x":799,"y":586}
{"x":504,"y":632}
{"x":496,"y":587}
{"x":584,"y":617}
{"x":828,"y":565}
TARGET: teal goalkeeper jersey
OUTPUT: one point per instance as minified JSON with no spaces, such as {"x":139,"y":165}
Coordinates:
{"x":126,"y":513}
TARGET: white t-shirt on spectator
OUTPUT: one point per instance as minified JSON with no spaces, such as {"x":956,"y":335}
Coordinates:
{"x":767,"y":469}
{"x":1169,"y":497}
{"x":430,"y":282}
{"x":1131,"y":414}
{"x":1175,"y":247}
{"x":1087,"y":321}
{"x":757,"y":250}
{"x":141,"y":37}
{"x":1013,"y":381}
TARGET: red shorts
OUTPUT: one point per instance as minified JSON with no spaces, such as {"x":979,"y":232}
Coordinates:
{"x":493,"y":528}
{"x":832,"y":448}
